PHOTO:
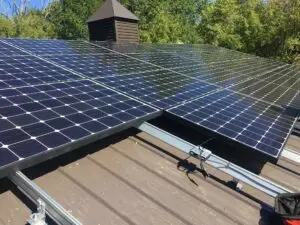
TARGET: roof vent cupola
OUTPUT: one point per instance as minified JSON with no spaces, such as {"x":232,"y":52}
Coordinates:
{"x":112,"y":21}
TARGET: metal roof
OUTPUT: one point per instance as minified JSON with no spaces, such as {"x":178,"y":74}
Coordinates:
{"x":135,"y":179}
{"x":110,"y":9}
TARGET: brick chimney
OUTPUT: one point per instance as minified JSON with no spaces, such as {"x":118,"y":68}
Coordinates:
{"x":112,"y":21}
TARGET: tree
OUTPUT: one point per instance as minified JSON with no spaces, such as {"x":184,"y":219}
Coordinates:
{"x":33,"y":25}
{"x":6,"y":27}
{"x":166,"y":21}
{"x":218,"y":24}
{"x":69,"y":17}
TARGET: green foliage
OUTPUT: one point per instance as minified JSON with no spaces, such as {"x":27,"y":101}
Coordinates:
{"x":69,"y":17}
{"x":266,"y":28}
{"x":33,"y":25}
{"x":168,"y":21}
{"x":6,"y":27}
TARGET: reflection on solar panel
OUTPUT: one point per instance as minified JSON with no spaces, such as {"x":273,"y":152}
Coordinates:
{"x":125,"y":47}
{"x":160,"y":88}
{"x":166,"y":60}
{"x":248,"y":121}
{"x":16,"y":71}
{"x":228,"y":73}
{"x":50,"y":47}
{"x":101,"y":65}
{"x":42,"y":118}
{"x":278,"y":87}
{"x":6,"y":50}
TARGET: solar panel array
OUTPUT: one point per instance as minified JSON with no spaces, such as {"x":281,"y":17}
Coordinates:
{"x":71,"y":90}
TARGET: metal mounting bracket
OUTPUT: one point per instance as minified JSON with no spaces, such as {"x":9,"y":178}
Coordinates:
{"x":38,"y":218}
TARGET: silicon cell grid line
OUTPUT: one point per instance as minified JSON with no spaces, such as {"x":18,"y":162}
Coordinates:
{"x":101,"y":65}
{"x":16,"y":71}
{"x":254,"y":123}
{"x":161,"y":88}
{"x":229,"y":73}
{"x":38,"y":119}
{"x":55,"y":47}
{"x":7,"y":50}
{"x":277,"y":87}
{"x":165,"y":60}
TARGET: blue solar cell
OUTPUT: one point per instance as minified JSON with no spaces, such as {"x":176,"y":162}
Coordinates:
{"x":5,"y":125}
{"x":9,"y":137}
{"x":23,"y":119}
{"x":110,"y":121}
{"x":94,"y":126}
{"x":27,"y":148}
{"x":45,"y":114}
{"x":7,"y":157}
{"x":251,"y":122}
{"x":53,"y":140}
{"x":38,"y":129}
{"x":32,"y":121}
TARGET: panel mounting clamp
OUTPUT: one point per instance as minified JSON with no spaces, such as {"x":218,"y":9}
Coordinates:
{"x":45,"y":203}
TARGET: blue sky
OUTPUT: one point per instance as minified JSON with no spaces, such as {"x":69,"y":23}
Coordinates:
{"x":5,"y":9}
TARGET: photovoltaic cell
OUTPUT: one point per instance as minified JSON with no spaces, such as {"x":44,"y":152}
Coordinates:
{"x":41,"y":118}
{"x":54,"y":47}
{"x":16,"y":71}
{"x":251,"y":122}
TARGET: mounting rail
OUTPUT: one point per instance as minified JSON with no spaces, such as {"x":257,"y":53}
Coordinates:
{"x":217,"y":162}
{"x":54,"y":210}
{"x":291,"y":155}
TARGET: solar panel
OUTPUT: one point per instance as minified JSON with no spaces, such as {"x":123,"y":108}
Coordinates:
{"x":36,"y":120}
{"x":6,"y":50}
{"x":254,"y":123}
{"x":16,"y":71}
{"x":161,"y":88}
{"x":50,"y":47}
{"x":101,"y":65}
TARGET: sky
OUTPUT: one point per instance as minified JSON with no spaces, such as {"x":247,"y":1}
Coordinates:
{"x":5,"y":9}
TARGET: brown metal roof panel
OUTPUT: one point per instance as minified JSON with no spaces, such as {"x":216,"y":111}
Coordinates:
{"x":218,"y":201}
{"x":112,"y":8}
{"x":129,"y":183}
{"x":79,"y":201}
{"x":12,"y":210}
{"x":282,"y":176}
{"x":293,"y":143}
